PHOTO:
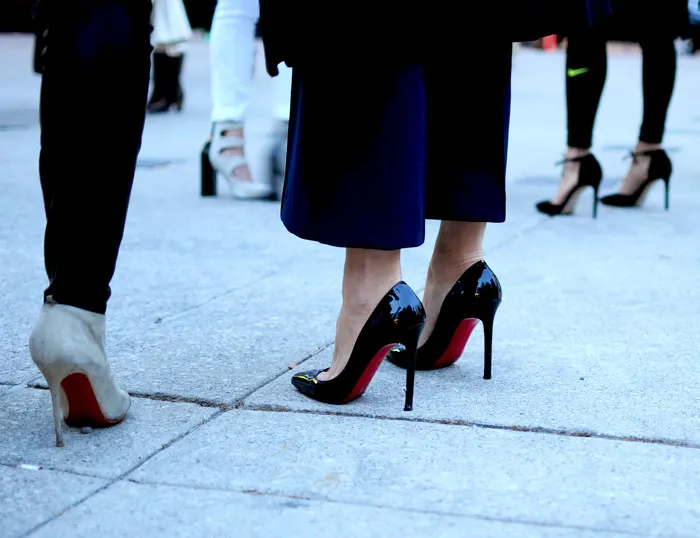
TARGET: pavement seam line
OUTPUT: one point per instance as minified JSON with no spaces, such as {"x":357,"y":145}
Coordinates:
{"x":122,"y":476}
{"x":321,"y":498}
{"x":171,"y":317}
{"x":265,"y":276}
{"x":481,"y":425}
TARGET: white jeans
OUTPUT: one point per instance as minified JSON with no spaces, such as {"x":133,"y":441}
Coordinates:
{"x":232,"y":54}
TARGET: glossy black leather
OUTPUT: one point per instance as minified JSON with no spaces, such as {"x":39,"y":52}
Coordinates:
{"x":398,"y":319}
{"x":660,"y":168}
{"x":476,"y":295}
{"x":590,"y":175}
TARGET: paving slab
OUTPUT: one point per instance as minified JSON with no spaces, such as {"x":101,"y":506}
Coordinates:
{"x":148,"y":510}
{"x":28,"y":436}
{"x":31,"y":497}
{"x":598,"y":332}
{"x":524,"y":477}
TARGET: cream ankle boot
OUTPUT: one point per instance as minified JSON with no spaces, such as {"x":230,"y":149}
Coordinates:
{"x":68,"y":346}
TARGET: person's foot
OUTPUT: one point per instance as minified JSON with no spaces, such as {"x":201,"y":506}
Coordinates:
{"x":570,"y":175}
{"x":68,"y":346}
{"x":241,"y":171}
{"x":359,"y":301}
{"x":639,"y":169}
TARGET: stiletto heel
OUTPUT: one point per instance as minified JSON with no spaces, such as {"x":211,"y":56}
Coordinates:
{"x":660,"y":168}
{"x":595,"y":203}
{"x":208,"y":177}
{"x":68,"y":346}
{"x":412,"y":356}
{"x":395,"y":325}
{"x":475,"y":297}
{"x":57,"y":418}
{"x":590,"y":174}
{"x":487,"y":321}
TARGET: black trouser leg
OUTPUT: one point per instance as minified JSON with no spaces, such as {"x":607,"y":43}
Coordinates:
{"x":586,"y":69}
{"x":658,"y":80}
{"x":93,"y":103}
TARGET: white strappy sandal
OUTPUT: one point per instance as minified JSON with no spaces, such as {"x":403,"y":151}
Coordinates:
{"x":227,"y":165}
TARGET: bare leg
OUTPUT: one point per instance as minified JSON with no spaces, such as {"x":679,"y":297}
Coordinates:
{"x":368,"y":276}
{"x":459,"y":245}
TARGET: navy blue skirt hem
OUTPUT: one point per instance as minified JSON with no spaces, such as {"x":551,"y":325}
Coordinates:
{"x":374,"y":153}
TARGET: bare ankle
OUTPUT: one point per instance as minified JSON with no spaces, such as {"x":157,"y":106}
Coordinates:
{"x":575,"y":153}
{"x":641,"y":147}
{"x":459,"y":246}
{"x":447,"y":269}
{"x":368,"y":276}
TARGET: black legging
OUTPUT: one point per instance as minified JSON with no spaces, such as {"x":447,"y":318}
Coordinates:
{"x":586,"y":69}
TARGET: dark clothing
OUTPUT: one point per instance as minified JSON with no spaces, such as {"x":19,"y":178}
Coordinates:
{"x":393,"y":32}
{"x":586,"y":64}
{"x":375,"y":152}
{"x":96,"y":62}
{"x":638,"y":20}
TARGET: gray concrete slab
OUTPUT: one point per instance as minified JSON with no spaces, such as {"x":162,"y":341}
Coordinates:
{"x":524,"y":477}
{"x":143,"y":510}
{"x":28,"y":437}
{"x":30,"y":497}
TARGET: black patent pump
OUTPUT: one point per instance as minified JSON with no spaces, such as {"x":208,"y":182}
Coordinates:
{"x":475,"y":297}
{"x":395,"y":324}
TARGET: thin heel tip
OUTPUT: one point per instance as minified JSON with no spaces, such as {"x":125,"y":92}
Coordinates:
{"x":60,"y":444}
{"x":487,"y":376}
{"x":408,"y":408}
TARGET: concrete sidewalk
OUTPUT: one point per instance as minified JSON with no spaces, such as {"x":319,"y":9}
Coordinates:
{"x":590,"y":426}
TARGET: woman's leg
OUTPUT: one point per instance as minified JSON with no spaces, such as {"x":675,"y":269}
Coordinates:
{"x":658,"y":81}
{"x":232,"y":54}
{"x":96,"y":52}
{"x":369,"y":198}
{"x":368,"y":276}
{"x":459,"y":245}
{"x":586,"y":70}
{"x":466,"y":174}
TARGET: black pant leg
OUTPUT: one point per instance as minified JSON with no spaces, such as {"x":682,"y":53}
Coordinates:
{"x":96,"y":64}
{"x":586,"y":70}
{"x":658,"y":81}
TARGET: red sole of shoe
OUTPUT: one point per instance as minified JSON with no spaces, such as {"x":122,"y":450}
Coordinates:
{"x":458,"y":343}
{"x":83,"y":408}
{"x":362,"y":383}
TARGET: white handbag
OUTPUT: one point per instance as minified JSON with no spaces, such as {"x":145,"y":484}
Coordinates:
{"x":170,"y":23}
